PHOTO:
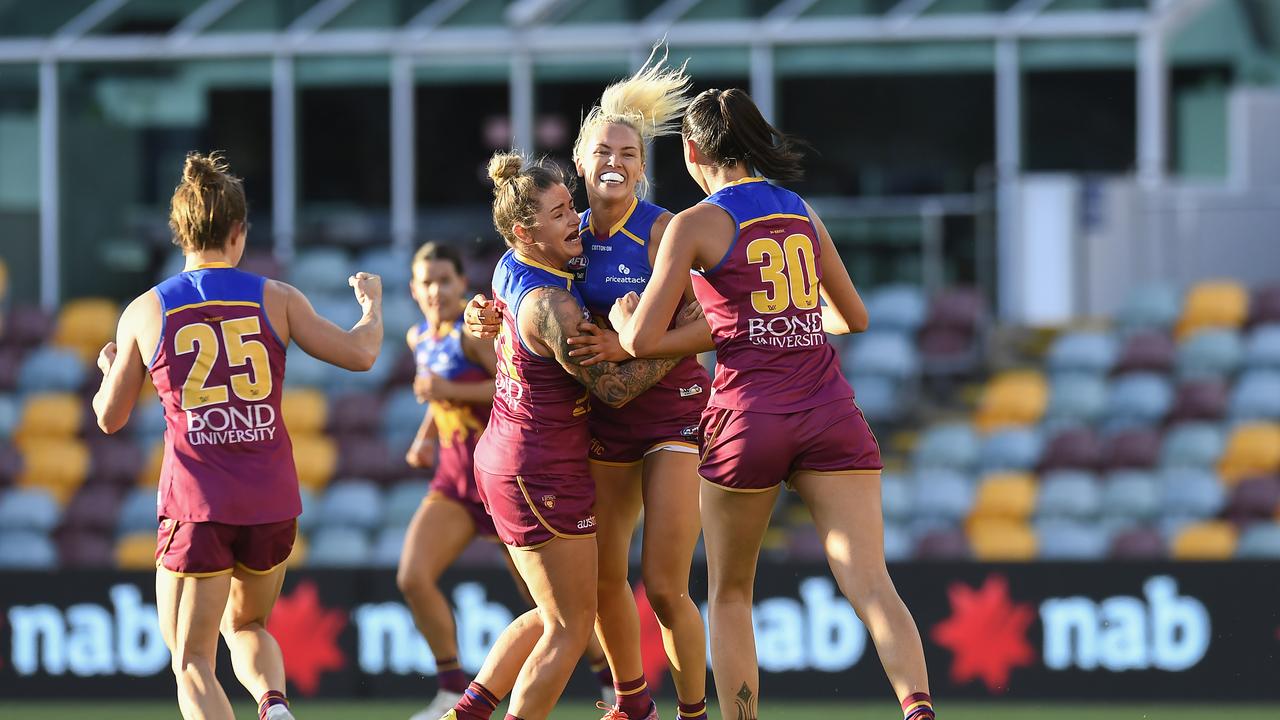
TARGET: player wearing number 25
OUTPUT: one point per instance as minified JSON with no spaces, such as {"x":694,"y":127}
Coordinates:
{"x":213,"y":339}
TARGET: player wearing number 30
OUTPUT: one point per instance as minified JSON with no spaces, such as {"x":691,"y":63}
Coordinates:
{"x":213,"y":339}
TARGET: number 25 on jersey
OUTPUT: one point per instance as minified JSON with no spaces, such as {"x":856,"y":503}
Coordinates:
{"x":201,"y":339}
{"x":791,"y":271}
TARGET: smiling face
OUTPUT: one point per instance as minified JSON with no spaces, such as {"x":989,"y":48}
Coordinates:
{"x":612,"y":162}
{"x":437,"y":287}
{"x":553,"y":241}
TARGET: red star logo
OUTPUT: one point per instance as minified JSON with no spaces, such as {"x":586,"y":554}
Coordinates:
{"x":653,"y":654}
{"x":986,"y":633}
{"x":308,"y":636}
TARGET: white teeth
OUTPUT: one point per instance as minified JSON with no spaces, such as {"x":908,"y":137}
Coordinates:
{"x":611,"y":177}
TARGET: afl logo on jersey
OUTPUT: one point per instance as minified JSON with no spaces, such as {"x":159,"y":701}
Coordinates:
{"x":578,"y":266}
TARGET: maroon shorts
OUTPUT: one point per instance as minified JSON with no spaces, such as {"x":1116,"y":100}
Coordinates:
{"x":529,"y":511}
{"x":447,"y":490}
{"x":627,"y":443}
{"x":754,"y":451}
{"x":203,"y":549}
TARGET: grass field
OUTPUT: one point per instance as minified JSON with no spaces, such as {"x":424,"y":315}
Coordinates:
{"x":386,"y":710}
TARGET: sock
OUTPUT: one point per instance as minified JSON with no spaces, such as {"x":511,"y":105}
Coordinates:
{"x":477,"y":703}
{"x":603,"y":675}
{"x":633,"y":698}
{"x":510,"y":717}
{"x":917,"y":706}
{"x":270,"y":699}
{"x":692,"y":711}
{"x":450,"y":675}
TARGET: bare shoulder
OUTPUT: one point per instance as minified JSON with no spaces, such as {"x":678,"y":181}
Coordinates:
{"x":411,"y":336}
{"x":660,"y":226}
{"x":280,"y":291}
{"x":551,"y":313}
{"x":703,"y":217}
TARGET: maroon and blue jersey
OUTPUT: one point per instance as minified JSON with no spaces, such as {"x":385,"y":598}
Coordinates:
{"x":614,"y":262}
{"x":219,"y":370}
{"x":438,"y":351}
{"x":763,"y":305}
{"x":539,"y":419}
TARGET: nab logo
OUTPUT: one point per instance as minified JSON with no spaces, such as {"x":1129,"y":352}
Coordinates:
{"x":622,"y":268}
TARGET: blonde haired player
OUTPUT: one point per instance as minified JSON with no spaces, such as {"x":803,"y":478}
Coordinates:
{"x":644,"y":454}
{"x":213,"y":339}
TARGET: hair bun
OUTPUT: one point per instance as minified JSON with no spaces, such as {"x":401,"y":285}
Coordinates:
{"x":504,"y":167}
{"x":201,"y":168}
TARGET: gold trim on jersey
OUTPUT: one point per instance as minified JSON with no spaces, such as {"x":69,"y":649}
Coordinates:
{"x":745,"y":180}
{"x":635,"y":202}
{"x":775,"y":216}
{"x":541,"y":521}
{"x":534,"y":263}
{"x":628,"y":233}
{"x":221,"y":303}
{"x":214,"y":264}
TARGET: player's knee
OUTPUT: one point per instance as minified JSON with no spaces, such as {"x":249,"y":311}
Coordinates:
{"x":666,"y":598}
{"x":190,"y":663}
{"x":413,"y":584}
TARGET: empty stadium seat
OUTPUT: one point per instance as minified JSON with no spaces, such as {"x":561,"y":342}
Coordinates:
{"x":1190,"y":493}
{"x":1132,"y":494}
{"x":1208,"y":540}
{"x":1192,"y":444}
{"x":1215,"y":304}
{"x":1076,"y":398}
{"x":27,"y":326}
{"x":1264,"y":306}
{"x":951,"y":336}
{"x":1252,"y":449}
{"x":402,"y":413}
{"x":360,"y":414}
{"x":1210,"y":353}
{"x":147,"y":420}
{"x":1200,"y":400}
{"x":318,"y":270}
{"x":26,"y":550}
{"x":1149,"y":306}
{"x":1069,"y":493}
{"x":50,"y":414}
{"x":1073,"y":448}
{"x":880,"y":398}
{"x":1262,"y":348}
{"x":1253,"y":499}
{"x":1256,"y":396}
{"x":85,"y":549}
{"x":340,"y":308}
{"x":49,"y":369}
{"x":370,"y":457}
{"x":136,"y":551}
{"x":10,"y":463}
{"x":115,"y":460}
{"x":387,"y":547}
{"x":399,"y":313}
{"x":1015,"y":398}
{"x":402,"y":502}
{"x":1136,"y":448}
{"x":952,"y":446}
{"x":1087,"y":352}
{"x":1147,"y":351}
{"x":883,"y":353}
{"x":897,"y":307}
{"x":1061,"y":539}
{"x":945,"y":494}
{"x":316,"y":459}
{"x":85,"y":325}
{"x":57,"y":465}
{"x":1143,"y":398}
{"x":1140,"y":543}
{"x":10,"y":412}
{"x":153,"y":463}
{"x":1260,"y":541}
{"x":898,"y":545}
{"x":137,"y":512}
{"x":339,"y":547}
{"x":354,"y":502}
{"x":305,"y":410}
{"x":1001,"y":539}
{"x":34,"y":509}
{"x":943,"y":544}
{"x":895,"y":497}
{"x":11,"y":361}
{"x":1007,"y":495}
{"x":94,"y":507}
{"x":306,"y":371}
{"x":342,"y":381}
{"x":1011,"y":449}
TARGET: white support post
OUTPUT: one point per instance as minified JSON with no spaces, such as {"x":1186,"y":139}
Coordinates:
{"x":1153,"y":106}
{"x":762,"y":80}
{"x":403,"y":155}
{"x":521,"y":94}
{"x":284,"y":169}
{"x":50,"y":255}
{"x":1008,"y":169}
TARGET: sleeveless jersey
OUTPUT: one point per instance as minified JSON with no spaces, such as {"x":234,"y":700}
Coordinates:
{"x":219,"y":370}
{"x":762,"y":302}
{"x":460,"y":424}
{"x":611,"y":266}
{"x":539,"y":420}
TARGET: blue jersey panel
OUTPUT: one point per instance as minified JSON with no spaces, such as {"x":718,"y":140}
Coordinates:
{"x":615,"y":261}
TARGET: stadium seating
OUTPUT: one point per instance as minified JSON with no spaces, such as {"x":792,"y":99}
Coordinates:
{"x":1200,"y":400}
{"x":316,"y":458}
{"x":85,"y":325}
{"x":54,"y":414}
{"x":1262,"y":349}
{"x":52,"y":369}
{"x":1149,"y":307}
{"x":1264,"y":307}
{"x":1012,"y":399}
{"x":34,"y":509}
{"x":948,"y":446}
{"x":897,"y":308}
{"x":305,"y":410}
{"x":1212,"y":352}
{"x":58,"y":465}
{"x":1076,"y":398}
{"x":352,"y":503}
{"x":1005,"y":495}
{"x":10,"y":411}
{"x":1000,"y":539}
{"x":1085,"y":352}
{"x":1208,"y":540}
{"x":339,"y":547}
{"x":1252,"y":449}
{"x":1259,"y":542}
{"x":1061,"y":539}
{"x":1192,"y":444}
{"x":25,"y":550}
{"x":1256,"y":396}
{"x":402,"y":502}
{"x":137,"y":551}
{"x":1136,"y":448}
{"x":28,"y":326}
{"x":1131,"y":495}
{"x":1147,"y":350}
{"x":1214,"y":304}
{"x":1011,"y":449}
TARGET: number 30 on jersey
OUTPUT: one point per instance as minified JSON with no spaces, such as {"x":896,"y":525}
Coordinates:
{"x":791,"y":271}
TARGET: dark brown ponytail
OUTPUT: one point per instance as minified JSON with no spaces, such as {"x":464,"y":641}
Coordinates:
{"x":728,"y":128}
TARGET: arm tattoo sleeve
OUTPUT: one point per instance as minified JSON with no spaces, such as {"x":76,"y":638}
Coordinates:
{"x":556,"y":316}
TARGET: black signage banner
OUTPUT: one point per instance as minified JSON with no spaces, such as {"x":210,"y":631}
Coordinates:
{"x":1205,"y":631}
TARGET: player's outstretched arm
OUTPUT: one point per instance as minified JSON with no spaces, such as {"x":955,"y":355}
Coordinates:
{"x":551,"y":316}
{"x":354,"y":349}
{"x":123,"y":370}
{"x":844,"y":311}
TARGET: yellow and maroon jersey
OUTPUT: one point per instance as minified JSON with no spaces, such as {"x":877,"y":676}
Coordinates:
{"x":219,"y":370}
{"x":762,"y":303}
{"x":539,"y":419}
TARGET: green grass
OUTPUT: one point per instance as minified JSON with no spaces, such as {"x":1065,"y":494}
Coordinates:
{"x":399,"y":710}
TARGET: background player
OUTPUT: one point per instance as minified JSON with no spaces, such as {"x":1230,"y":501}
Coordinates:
{"x":531,"y":462}
{"x":213,"y":340}
{"x":780,"y":411}
{"x":644,"y":453}
{"x":455,"y":375}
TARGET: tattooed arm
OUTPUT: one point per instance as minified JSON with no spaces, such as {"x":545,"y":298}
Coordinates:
{"x":550,"y":316}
